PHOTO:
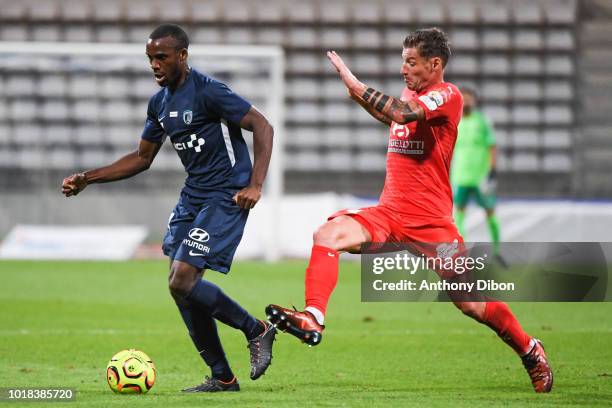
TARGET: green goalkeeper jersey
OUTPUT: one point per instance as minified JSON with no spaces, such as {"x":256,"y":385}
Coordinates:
{"x":472,"y":156}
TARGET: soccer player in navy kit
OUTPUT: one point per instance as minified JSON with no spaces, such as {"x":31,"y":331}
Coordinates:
{"x":203,"y":119}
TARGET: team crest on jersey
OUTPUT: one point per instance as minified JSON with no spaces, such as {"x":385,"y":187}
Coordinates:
{"x":187,"y":116}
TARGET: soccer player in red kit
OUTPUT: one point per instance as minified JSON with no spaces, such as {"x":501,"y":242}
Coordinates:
{"x":416,"y":203}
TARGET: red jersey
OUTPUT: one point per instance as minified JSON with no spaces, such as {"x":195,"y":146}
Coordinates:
{"x":419,"y":156}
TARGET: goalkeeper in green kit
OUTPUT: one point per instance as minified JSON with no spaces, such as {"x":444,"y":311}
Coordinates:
{"x":473,"y":167}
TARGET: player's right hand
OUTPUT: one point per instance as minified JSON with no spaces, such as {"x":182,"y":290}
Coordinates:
{"x":74,"y":184}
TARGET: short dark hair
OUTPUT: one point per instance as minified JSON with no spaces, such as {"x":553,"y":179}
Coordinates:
{"x":431,"y":42}
{"x":171,"y":30}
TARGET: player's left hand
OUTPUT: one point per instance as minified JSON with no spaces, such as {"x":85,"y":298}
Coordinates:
{"x":347,"y":76}
{"x":248,"y":197}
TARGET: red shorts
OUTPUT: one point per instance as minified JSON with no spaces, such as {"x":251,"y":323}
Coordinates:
{"x":385,"y":225}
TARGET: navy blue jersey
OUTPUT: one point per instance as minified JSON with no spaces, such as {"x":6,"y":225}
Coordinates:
{"x":201,"y":118}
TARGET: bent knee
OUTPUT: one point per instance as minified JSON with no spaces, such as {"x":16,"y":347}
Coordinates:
{"x":327,"y":235}
{"x":182,"y":279}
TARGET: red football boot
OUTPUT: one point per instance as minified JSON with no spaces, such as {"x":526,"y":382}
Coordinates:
{"x":538,"y":368}
{"x":302,"y":325}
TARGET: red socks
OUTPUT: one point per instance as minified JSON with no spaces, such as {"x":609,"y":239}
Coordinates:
{"x":321,"y":276}
{"x":498,"y":317}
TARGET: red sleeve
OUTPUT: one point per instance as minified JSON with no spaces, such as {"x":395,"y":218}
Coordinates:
{"x":442,"y":101}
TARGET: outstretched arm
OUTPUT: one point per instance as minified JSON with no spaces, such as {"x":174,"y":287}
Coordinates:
{"x":127,"y":166}
{"x":263,"y":134}
{"x":377,"y":103}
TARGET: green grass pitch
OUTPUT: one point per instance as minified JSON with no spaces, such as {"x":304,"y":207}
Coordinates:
{"x":60,"y":322}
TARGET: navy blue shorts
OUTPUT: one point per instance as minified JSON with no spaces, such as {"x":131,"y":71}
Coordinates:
{"x":205,"y":232}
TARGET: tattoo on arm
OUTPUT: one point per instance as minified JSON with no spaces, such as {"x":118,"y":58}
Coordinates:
{"x":394,"y":109}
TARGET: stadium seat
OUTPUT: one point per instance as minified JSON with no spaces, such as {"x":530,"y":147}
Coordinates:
{"x":27,"y":134}
{"x":558,"y":115}
{"x":302,"y":37}
{"x":75,"y":10}
{"x":394,"y":38}
{"x":430,"y":12}
{"x":108,"y":10}
{"x":527,"y":12}
{"x":367,"y":63}
{"x":3,"y":110}
{"x":559,"y":65}
{"x":367,"y":38}
{"x":138,"y":33}
{"x":333,"y":11}
{"x":305,"y":160}
{"x":13,"y":10}
{"x":86,"y":111}
{"x":368,"y":137}
{"x":494,"y":91}
{"x":463,"y":64}
{"x":50,"y":85}
{"x":46,"y":32}
{"x":496,"y":39}
{"x":304,"y":88}
{"x":462,"y":12}
{"x":304,"y":62}
{"x":269,"y":11}
{"x":14,"y":32}
{"x":370,"y":161}
{"x":464,"y":39}
{"x":558,"y":90}
{"x":113,"y":87}
{"x":338,"y":161}
{"x":58,"y":134}
{"x":527,"y":65}
{"x":337,"y":137}
{"x":557,"y":162}
{"x":334,"y":38}
{"x":143,"y":86}
{"x":502,"y":161}
{"x":46,"y":10}
{"x":24,"y":110}
{"x":19,"y":85}
{"x":304,"y":137}
{"x":495,"y":64}
{"x":78,"y":33}
{"x":117,"y":112}
{"x":502,"y":139}
{"x":560,"y":40}
{"x":557,"y":138}
{"x":527,"y":90}
{"x":497,"y":113}
{"x":337,"y":112}
{"x":88,"y":135}
{"x":89,"y":158}
{"x":527,"y":40}
{"x":524,"y":162}
{"x":137,"y":11}
{"x":560,"y":12}
{"x":61,"y":158}
{"x":32,"y":157}
{"x":525,"y":114}
{"x":5,"y":133}
{"x":82,"y":85}
{"x":365,"y":12}
{"x":234,"y":11}
{"x":239,"y":35}
{"x":304,"y":111}
{"x":111,"y":34}
{"x":300,"y":11}
{"x":333,"y":89}
{"x":271,"y":35}
{"x":525,"y":138}
{"x":398,"y":12}
{"x":494,"y":13}
{"x":207,"y":35}
{"x":55,"y":110}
